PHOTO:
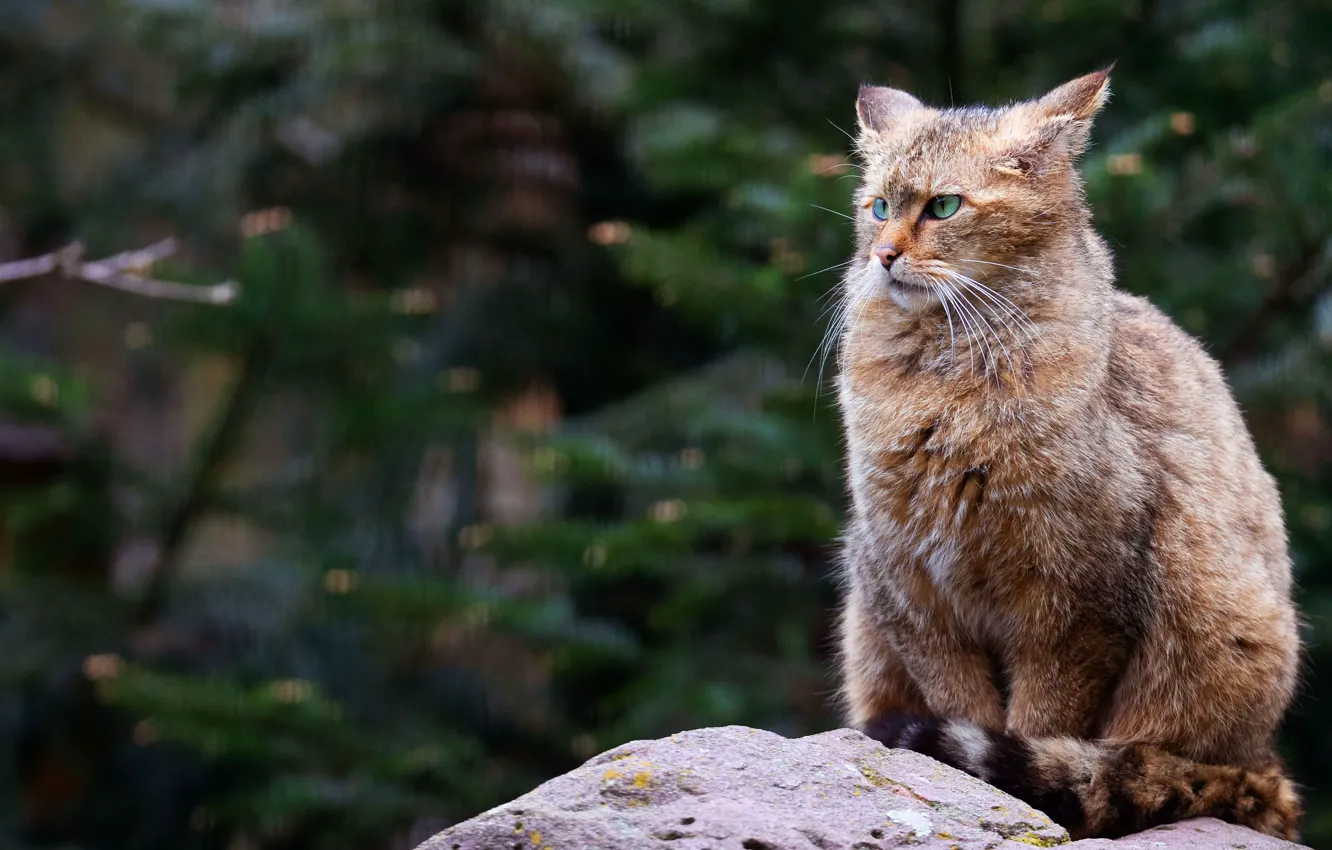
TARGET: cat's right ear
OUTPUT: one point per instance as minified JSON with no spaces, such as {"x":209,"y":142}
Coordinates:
{"x":880,"y":108}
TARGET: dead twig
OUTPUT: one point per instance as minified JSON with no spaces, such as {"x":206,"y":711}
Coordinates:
{"x":123,"y":271}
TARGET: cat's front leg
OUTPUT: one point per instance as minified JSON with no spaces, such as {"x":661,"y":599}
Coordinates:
{"x":904,"y":664}
{"x":1060,"y":683}
{"x":953,"y":673}
{"x":875,"y":682}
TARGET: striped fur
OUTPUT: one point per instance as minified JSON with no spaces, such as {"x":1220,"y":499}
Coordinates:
{"x":1061,"y":531}
{"x":1099,"y":788}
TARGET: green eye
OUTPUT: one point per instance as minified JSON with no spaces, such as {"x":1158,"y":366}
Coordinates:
{"x":943,"y":206}
{"x":880,"y":209}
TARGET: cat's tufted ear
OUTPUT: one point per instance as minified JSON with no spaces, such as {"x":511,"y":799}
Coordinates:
{"x":880,"y":108}
{"x":1080,"y":99}
{"x":1053,"y":131}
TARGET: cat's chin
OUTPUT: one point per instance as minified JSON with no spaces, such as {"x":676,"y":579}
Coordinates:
{"x":912,"y":297}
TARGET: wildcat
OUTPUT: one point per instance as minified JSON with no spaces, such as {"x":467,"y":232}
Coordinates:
{"x":1066,"y":568}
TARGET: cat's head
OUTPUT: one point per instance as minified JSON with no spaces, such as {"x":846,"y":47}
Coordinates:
{"x":969,"y":193}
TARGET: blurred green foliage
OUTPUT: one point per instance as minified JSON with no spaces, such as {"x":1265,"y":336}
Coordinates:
{"x":630,"y":206}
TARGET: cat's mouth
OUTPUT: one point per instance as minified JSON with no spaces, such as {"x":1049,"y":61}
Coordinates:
{"x":910,"y":289}
{"x":911,"y":295}
{"x":910,"y":285}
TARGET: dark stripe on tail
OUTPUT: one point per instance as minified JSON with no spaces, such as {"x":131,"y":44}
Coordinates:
{"x":1005,"y":761}
{"x":889,"y":729}
{"x":1095,"y":788}
{"x":1010,"y":766}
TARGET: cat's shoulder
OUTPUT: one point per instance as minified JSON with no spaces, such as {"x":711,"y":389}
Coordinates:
{"x":1159,"y":372}
{"x":1140,"y":328}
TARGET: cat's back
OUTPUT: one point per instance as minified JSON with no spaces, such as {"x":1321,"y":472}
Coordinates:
{"x":1215,"y":499}
{"x":1162,"y":379}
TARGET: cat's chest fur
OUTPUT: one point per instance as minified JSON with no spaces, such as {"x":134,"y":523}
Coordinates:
{"x":952,"y":491}
{"x":993,"y":494}
{"x":930,"y":494}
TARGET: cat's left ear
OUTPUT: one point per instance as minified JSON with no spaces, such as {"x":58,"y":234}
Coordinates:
{"x":1055,"y":129}
{"x":1075,"y":104}
{"x":1079,"y":99}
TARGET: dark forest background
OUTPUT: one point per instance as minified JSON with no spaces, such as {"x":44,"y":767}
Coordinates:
{"x":510,"y":448}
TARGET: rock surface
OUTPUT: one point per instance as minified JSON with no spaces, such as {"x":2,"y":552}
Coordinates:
{"x":736,"y":788}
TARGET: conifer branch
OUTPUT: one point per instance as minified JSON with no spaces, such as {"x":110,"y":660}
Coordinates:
{"x":123,"y":271}
{"x":210,"y":460}
{"x":1284,"y":296}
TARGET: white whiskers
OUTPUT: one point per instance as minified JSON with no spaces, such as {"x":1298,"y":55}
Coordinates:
{"x":985,"y":325}
{"x":946,"y":295}
{"x":834,"y":212}
{"x":980,"y":325}
{"x":842,"y":264}
{"x":1031,"y":272}
{"x":995,"y":330}
{"x":854,"y":298}
{"x":999,"y":301}
{"x":978,"y":309}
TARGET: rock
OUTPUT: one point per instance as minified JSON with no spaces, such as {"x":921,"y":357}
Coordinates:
{"x":1201,"y":834}
{"x":736,"y":788}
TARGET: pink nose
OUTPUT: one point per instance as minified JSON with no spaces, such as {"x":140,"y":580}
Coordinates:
{"x":886,"y":252}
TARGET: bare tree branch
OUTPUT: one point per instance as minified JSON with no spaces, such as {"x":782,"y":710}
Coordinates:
{"x":36,"y":267}
{"x":143,"y":258}
{"x":122,"y":271}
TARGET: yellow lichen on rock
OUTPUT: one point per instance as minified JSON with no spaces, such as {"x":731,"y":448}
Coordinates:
{"x":1038,"y":840}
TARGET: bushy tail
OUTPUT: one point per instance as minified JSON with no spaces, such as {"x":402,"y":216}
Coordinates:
{"x":1097,"y":788}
